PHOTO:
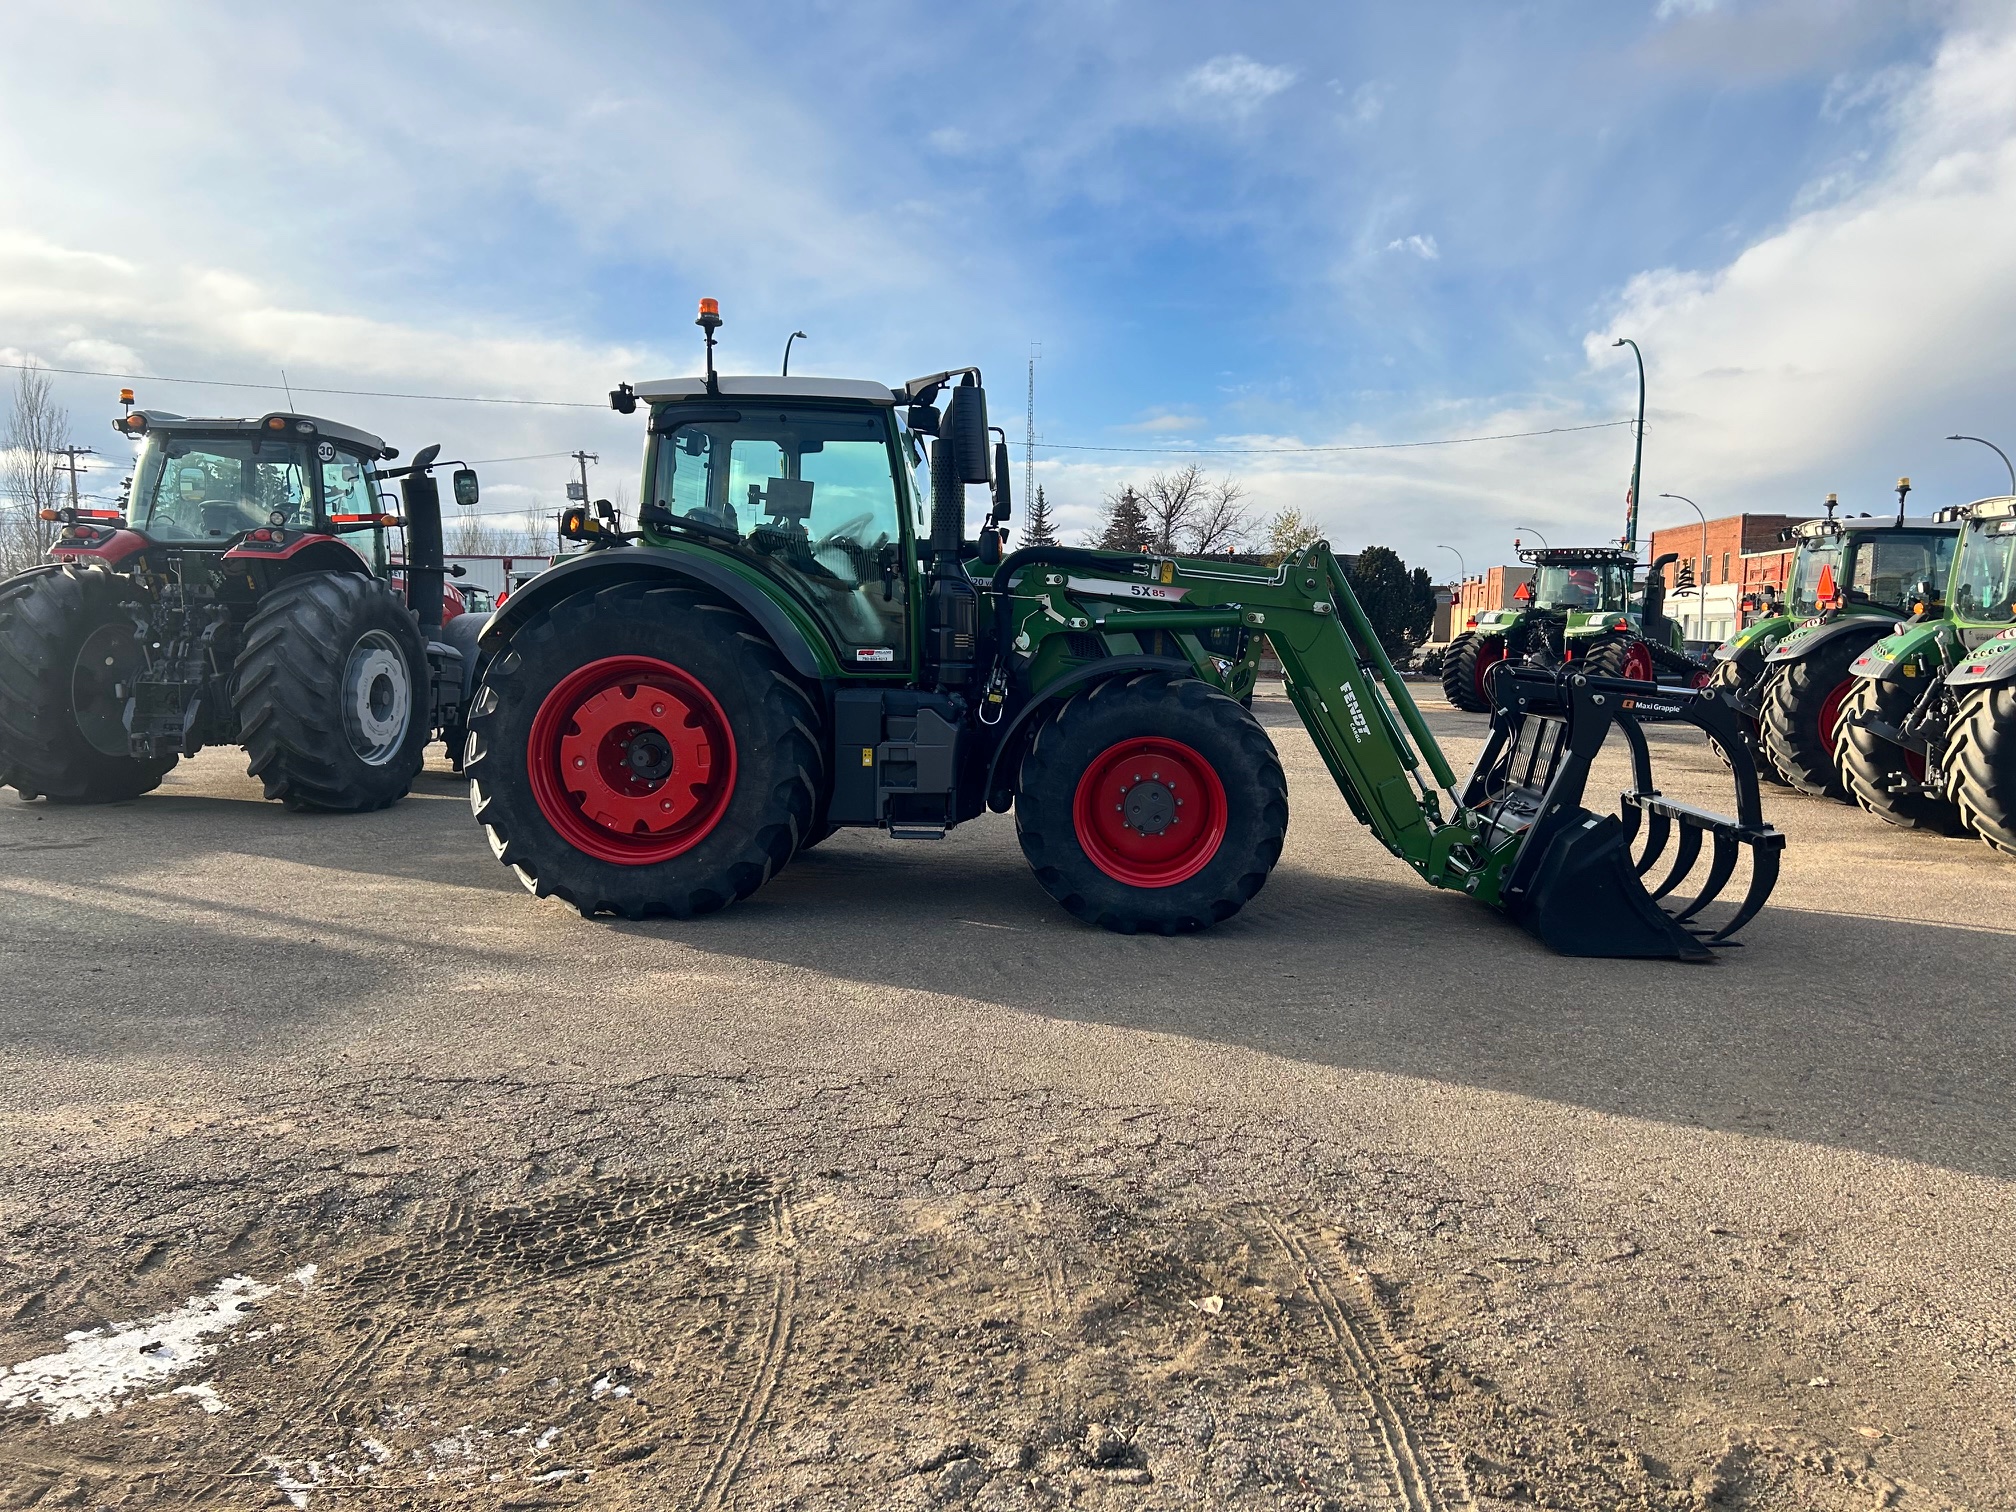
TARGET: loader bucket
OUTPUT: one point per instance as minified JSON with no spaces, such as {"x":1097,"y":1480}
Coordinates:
{"x":1575,"y":881}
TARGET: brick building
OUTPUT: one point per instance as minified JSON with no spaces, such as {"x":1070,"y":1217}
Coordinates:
{"x":1743,"y":556}
{"x":1491,"y":589}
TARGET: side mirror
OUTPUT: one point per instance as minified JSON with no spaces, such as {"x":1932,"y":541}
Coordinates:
{"x":465,"y":487}
{"x":965,"y":426}
{"x":1004,"y":504}
{"x":923,"y":419}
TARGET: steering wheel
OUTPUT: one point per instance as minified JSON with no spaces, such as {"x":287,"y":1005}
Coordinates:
{"x":1964,"y":602}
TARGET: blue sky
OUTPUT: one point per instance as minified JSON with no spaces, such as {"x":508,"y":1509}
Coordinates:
{"x":1231,"y":228}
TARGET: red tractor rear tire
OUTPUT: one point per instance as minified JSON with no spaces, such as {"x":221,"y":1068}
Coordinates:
{"x":644,"y":750}
{"x":1151,"y":804}
{"x":1981,"y":765}
{"x":1467,"y":665}
{"x":62,"y":732}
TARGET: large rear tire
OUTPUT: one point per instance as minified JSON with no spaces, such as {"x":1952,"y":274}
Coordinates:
{"x":331,"y":692}
{"x":65,"y":645}
{"x":643,"y":750}
{"x":1151,"y":804}
{"x":1871,"y":766}
{"x":1730,"y":678}
{"x":1465,"y":667}
{"x":1981,"y":765}
{"x":1800,"y":713}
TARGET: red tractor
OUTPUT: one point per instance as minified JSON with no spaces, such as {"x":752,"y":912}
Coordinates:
{"x":245,"y":596}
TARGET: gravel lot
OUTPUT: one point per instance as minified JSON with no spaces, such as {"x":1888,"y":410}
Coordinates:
{"x":896,"y":1187}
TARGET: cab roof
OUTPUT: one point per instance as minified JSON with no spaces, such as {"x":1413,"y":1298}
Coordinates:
{"x":1807,"y":530}
{"x":1576,"y":556}
{"x":297,"y":427}
{"x":769,"y":386}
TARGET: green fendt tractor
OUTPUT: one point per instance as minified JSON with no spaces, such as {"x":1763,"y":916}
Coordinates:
{"x":1852,"y":580}
{"x":669,"y":717}
{"x":1582,"y":607}
{"x":246,"y":595}
{"x":1927,"y":736}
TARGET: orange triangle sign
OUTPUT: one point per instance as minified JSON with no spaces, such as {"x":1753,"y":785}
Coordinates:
{"x":1524,"y":592}
{"x":1825,"y":592}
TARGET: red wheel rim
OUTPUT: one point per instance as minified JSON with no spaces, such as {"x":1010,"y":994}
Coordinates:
{"x":1489,"y":655}
{"x":1150,"y":812}
{"x":1638,"y":662}
{"x":631,"y":760}
{"x":1830,"y":712}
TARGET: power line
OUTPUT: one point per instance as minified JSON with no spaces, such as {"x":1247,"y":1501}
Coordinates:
{"x":1151,"y":451}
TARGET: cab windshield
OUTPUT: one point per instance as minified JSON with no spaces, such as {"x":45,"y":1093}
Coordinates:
{"x":210,"y":488}
{"x":1816,"y":558}
{"x":1585,"y":586}
{"x":1986,"y":590}
{"x":812,"y":491}
{"x":1890,"y":564}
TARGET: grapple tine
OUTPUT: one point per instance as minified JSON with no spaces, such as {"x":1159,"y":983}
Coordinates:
{"x":1763,"y":877}
{"x":1658,"y":830}
{"x":1684,"y":856}
{"x":1720,"y":869}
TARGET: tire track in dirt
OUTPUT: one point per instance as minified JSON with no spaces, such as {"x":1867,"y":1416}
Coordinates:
{"x":1425,"y":1472}
{"x":754,"y":1405}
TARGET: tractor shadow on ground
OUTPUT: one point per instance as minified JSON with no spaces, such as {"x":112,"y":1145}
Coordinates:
{"x":1821,"y":1029}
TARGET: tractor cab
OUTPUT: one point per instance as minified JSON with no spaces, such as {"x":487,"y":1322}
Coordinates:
{"x":1867,"y":563}
{"x":1576,"y":581}
{"x":265,"y":483}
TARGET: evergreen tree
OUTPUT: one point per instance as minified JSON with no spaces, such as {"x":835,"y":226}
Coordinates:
{"x":1126,"y":523}
{"x":1037,"y":530}
{"x":1400,"y":604}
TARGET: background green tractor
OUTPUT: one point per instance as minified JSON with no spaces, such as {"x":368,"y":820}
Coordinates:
{"x":1852,"y":580}
{"x":246,"y":595}
{"x":800,"y":637}
{"x":1927,"y":736}
{"x":1582,"y":606}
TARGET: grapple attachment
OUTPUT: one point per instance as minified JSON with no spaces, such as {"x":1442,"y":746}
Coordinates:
{"x":1574,"y":881}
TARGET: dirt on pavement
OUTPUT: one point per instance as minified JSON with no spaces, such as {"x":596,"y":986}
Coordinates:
{"x":895,"y":1187}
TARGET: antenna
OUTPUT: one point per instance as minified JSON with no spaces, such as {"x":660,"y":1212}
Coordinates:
{"x":1029,"y":435}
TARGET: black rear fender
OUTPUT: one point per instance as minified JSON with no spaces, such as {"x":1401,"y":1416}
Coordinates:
{"x":596,"y":570}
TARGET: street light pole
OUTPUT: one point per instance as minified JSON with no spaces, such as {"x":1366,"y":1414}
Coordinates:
{"x":1638,"y":457}
{"x":1700,"y":582}
{"x":794,"y":336}
{"x":1530,"y":531}
{"x":1462,"y":574}
{"x":1998,"y":452}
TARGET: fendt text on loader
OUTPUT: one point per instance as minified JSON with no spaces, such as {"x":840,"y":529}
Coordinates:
{"x":671,"y":715}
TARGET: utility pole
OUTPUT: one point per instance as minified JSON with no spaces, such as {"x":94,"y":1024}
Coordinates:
{"x":1029,"y":435}
{"x":1630,"y":541}
{"x":583,"y":458}
{"x":70,"y":454}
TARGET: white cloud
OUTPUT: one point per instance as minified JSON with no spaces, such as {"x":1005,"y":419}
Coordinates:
{"x":1422,"y":247}
{"x":1164,"y":424}
{"x":1233,"y":84}
{"x":1851,"y":339}
{"x":1668,"y":9}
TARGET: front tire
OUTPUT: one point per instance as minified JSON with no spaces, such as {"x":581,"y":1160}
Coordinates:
{"x":1151,"y":804}
{"x":1981,"y":765}
{"x":1466,"y":666}
{"x":1800,"y":716}
{"x":65,"y":647}
{"x":331,"y":692}
{"x":643,"y":750}
{"x":1872,"y":767}
{"x":1621,"y":656}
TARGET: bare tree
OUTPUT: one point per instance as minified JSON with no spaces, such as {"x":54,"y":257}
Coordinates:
{"x":1168,"y":500}
{"x":1220,"y":522}
{"x":473,"y":534}
{"x":37,"y":428}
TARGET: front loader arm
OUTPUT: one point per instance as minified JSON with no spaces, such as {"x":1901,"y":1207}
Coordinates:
{"x":1518,"y":836}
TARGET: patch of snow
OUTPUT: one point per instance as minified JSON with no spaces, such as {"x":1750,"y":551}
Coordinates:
{"x":545,"y":1440}
{"x":602,"y":1388}
{"x":103,"y":1366}
{"x":295,"y":1489}
{"x":205,"y":1396}
{"x":305,"y":1276}
{"x":379,"y":1452}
